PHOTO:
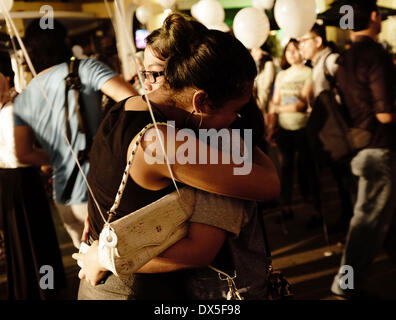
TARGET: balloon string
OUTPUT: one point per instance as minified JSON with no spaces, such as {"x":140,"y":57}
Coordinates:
{"x":109,"y":13}
{"x":12,"y":27}
{"x":133,"y":51}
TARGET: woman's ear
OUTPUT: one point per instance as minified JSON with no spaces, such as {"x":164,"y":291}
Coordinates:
{"x":318,"y":42}
{"x":200,"y":101}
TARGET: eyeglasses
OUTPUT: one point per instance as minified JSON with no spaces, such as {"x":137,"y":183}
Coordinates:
{"x":301,"y":41}
{"x":151,"y":76}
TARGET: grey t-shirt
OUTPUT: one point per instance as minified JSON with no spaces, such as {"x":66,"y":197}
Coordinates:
{"x":221,"y":212}
{"x":48,"y":121}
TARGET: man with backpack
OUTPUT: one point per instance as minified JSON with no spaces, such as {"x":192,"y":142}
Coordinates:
{"x":314,"y":47}
{"x":366,"y":78}
{"x":73,"y":109}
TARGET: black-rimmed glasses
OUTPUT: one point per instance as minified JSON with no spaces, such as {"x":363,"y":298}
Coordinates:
{"x":151,"y":76}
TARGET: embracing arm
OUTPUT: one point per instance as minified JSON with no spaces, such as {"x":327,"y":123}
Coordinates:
{"x":261,"y":184}
{"x":258,"y":179}
{"x":198,"y":249}
{"x":24,"y":147}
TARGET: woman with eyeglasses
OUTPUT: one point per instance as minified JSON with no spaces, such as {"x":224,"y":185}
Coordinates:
{"x":204,"y":80}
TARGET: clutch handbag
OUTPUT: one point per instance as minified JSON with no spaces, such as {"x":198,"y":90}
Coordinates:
{"x":128,"y":243}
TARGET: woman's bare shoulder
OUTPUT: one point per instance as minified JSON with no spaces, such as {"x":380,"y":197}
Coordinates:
{"x":136,"y":103}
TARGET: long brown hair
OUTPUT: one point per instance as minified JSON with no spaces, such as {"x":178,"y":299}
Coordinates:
{"x":284,"y":64}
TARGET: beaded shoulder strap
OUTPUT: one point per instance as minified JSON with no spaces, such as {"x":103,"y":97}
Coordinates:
{"x":120,"y":192}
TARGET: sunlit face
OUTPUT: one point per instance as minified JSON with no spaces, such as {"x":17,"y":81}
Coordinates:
{"x":293,"y":55}
{"x":153,"y":64}
{"x":308,"y":45}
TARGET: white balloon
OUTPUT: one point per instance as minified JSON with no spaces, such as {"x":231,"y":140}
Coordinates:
{"x":208,"y":12}
{"x":8,"y":5}
{"x":193,"y":10}
{"x":221,"y":27}
{"x":251,"y":27}
{"x":164,"y":15}
{"x":295,"y":17}
{"x":263,"y":4}
{"x":143,"y":14}
{"x":167,"y":4}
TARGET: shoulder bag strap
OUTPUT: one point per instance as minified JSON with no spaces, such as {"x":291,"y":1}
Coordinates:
{"x":112,"y":212}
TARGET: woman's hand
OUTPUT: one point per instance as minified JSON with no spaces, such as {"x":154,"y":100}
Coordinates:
{"x":91,"y":271}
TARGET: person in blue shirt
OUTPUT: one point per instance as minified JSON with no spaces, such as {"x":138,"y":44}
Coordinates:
{"x":42,"y":121}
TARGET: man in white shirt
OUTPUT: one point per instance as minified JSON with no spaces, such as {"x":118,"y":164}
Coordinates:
{"x":314,"y":47}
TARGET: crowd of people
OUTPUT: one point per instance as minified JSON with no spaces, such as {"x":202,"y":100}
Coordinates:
{"x":363,"y":78}
{"x":189,"y":81}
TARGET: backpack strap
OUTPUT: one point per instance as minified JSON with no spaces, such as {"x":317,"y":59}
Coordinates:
{"x":329,"y":77}
{"x":73,"y":82}
{"x":68,"y":85}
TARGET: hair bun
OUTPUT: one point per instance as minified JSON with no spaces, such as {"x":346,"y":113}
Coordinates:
{"x":182,"y":29}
